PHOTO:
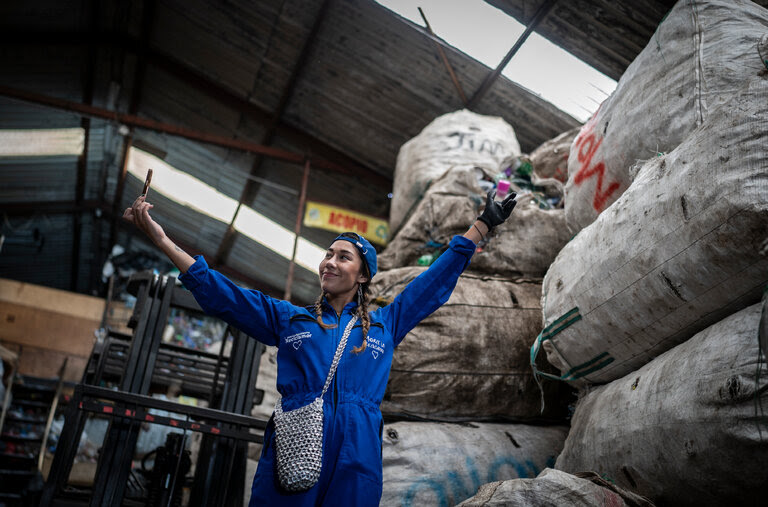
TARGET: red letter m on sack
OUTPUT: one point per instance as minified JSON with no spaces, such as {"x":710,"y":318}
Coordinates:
{"x":586,"y":147}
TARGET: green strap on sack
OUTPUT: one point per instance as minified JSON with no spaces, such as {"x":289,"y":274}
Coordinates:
{"x":552,"y":330}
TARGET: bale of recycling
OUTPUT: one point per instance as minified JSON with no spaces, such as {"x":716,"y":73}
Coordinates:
{"x":443,"y":464}
{"x":687,"y":428}
{"x":550,"y":160}
{"x":523,"y":246}
{"x":461,"y":137}
{"x":699,"y":56}
{"x":680,"y":250}
{"x":554,"y":488}
{"x":469,"y":360}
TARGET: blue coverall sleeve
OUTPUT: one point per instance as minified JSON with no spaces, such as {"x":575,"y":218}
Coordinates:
{"x":428,"y":291}
{"x":250,"y":311}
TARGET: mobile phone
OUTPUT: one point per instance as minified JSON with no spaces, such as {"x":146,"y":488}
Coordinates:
{"x":147,"y":182}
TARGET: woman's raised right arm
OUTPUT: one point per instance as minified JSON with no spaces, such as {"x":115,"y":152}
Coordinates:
{"x":138,"y":214}
{"x":248,"y":310}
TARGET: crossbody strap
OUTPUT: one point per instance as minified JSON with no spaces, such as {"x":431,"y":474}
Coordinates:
{"x":339,"y":351}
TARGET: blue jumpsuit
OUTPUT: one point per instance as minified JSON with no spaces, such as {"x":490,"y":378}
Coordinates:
{"x":352,"y":462}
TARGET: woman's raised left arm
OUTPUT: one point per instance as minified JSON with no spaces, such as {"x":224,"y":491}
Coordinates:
{"x":432,"y":288}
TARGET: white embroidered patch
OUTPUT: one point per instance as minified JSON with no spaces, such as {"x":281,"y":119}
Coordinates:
{"x":295,"y":340}
{"x":377,"y":347}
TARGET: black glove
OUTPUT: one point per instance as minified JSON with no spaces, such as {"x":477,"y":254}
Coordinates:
{"x":495,"y":213}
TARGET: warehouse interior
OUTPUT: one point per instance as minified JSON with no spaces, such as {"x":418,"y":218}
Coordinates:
{"x":269,"y":104}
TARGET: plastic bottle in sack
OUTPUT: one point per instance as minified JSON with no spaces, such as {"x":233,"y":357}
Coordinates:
{"x":502,"y":189}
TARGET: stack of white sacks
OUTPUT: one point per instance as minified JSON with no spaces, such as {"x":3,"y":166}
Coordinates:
{"x":653,"y":308}
{"x":461,"y":385}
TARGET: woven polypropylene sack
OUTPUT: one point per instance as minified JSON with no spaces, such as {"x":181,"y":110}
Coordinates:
{"x":555,"y":488}
{"x":461,"y":137}
{"x":700,"y":55}
{"x":443,"y":464}
{"x":679,"y":251}
{"x":688,"y":428}
{"x":524,"y":246}
{"x":469,"y":359}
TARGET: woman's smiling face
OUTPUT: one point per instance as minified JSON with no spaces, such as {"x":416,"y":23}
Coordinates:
{"x":341,"y":269}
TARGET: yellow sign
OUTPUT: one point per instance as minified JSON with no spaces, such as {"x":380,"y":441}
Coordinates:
{"x":337,"y":219}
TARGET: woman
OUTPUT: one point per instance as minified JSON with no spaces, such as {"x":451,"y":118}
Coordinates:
{"x":307,"y":338}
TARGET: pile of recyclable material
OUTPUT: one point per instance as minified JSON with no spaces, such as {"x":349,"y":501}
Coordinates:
{"x":688,"y":428}
{"x":652,"y":310}
{"x":701,"y":54}
{"x":679,"y":251}
{"x":554,"y":488}
{"x":524,"y":246}
{"x":469,"y":361}
{"x":460,"y":137}
{"x":443,"y":464}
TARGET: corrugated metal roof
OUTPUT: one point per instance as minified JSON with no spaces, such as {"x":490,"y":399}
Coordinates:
{"x":38,"y":179}
{"x":607,"y":34}
{"x":370,"y":82}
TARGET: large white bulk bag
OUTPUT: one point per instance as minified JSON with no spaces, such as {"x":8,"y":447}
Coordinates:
{"x":469,"y":359}
{"x":554,"y":488}
{"x":680,"y":250}
{"x":524,"y":246}
{"x":443,"y":464}
{"x":461,"y":137}
{"x":688,"y":428}
{"x":700,"y":55}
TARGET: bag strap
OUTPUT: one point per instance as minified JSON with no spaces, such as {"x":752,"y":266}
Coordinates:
{"x":337,"y":356}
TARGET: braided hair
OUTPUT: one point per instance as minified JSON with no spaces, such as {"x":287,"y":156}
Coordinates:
{"x":363,"y":315}
{"x":361,"y":311}
{"x":319,"y":312}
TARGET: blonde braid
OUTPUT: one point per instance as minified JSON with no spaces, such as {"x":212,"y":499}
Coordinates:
{"x":319,"y":313}
{"x":363,"y":315}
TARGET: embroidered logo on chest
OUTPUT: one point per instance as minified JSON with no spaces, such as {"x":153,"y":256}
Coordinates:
{"x":376,"y":346}
{"x":295,"y":340}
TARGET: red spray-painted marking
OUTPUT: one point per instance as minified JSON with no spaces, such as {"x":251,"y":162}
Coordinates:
{"x":586,"y":139}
